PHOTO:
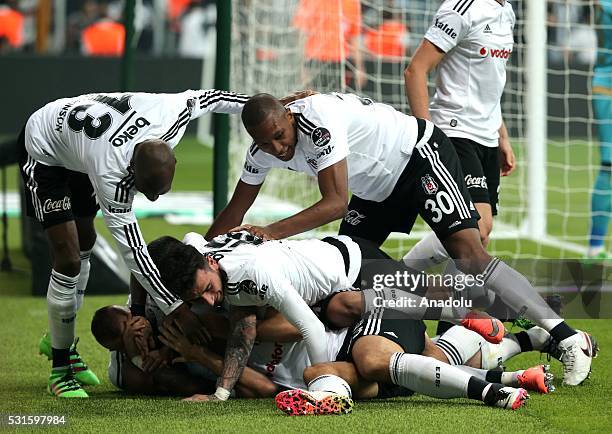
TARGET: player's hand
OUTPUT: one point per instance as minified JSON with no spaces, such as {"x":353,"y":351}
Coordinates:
{"x":173,"y":338}
{"x":507,"y":161}
{"x":202,"y":398}
{"x":259,"y":231}
{"x":189,"y":325}
{"x":157,"y":359}
{"x":297,"y":95}
{"x":137,"y":336}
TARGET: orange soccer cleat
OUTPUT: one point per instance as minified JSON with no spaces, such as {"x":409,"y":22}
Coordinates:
{"x":537,"y":379}
{"x":485,"y":325}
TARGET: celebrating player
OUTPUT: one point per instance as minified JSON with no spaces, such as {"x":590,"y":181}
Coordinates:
{"x":397,"y":167}
{"x":95,"y":151}
{"x":601,"y":198}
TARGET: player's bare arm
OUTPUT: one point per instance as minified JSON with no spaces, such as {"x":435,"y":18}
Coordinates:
{"x":243,"y":324}
{"x":333,"y":185}
{"x":189,"y":323}
{"x":507,"y":160}
{"x":426,"y":58}
{"x":232,"y":215}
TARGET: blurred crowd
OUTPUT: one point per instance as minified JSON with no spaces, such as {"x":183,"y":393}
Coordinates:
{"x":390,"y":29}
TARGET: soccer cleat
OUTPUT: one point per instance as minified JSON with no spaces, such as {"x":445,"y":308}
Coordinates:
{"x":485,"y":325}
{"x":79,"y":368}
{"x":299,"y":402}
{"x":508,"y":398}
{"x":576,"y":354}
{"x":538,"y":379}
{"x":63,"y":384}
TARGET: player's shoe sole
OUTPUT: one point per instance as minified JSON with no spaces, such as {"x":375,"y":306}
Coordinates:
{"x":538,"y":379}
{"x":491,"y":329}
{"x":298,"y":402}
{"x":81,"y":371}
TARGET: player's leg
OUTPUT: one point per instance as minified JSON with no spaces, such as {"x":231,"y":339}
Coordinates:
{"x":451,"y":215}
{"x":601,"y":198}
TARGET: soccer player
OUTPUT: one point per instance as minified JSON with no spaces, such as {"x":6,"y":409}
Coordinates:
{"x":96,"y":151}
{"x":601,"y":198}
{"x":397,"y":167}
{"x":469,"y":42}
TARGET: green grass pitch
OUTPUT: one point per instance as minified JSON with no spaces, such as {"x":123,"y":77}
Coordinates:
{"x":24,"y":374}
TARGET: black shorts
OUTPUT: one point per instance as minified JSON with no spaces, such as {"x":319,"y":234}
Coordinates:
{"x":480,"y":166}
{"x":407,"y":333}
{"x":431,"y":186}
{"x":54,"y":194}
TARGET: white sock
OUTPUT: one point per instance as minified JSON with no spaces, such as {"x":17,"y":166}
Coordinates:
{"x":83,"y":277}
{"x":61,"y":307}
{"x":428,"y":252}
{"x":428,"y":376}
{"x":508,"y":378}
{"x":330,"y":383}
{"x":538,"y":337}
{"x":459,"y":344}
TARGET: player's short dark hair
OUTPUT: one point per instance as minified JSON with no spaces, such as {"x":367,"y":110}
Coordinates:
{"x":177,"y":264}
{"x":106,"y":324}
{"x":259,"y":107}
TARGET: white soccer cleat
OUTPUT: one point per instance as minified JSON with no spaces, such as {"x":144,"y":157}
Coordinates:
{"x":509,"y":398}
{"x":577,"y":353}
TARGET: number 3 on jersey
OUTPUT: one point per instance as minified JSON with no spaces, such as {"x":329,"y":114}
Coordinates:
{"x":442,"y":205}
{"x":95,"y":127}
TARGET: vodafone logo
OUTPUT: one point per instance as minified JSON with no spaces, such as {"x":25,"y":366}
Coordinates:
{"x":495,"y":52}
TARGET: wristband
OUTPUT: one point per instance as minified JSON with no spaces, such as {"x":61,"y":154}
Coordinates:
{"x":137,"y":309}
{"x":222,"y":393}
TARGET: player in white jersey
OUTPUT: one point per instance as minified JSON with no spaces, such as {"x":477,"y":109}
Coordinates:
{"x":397,"y":167}
{"x":469,"y":42}
{"x":95,"y":151}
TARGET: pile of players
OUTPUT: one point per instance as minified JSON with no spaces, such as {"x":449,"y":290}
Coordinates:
{"x":251,"y":313}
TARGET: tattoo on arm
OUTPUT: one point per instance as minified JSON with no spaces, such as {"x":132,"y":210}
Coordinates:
{"x":239,"y":346}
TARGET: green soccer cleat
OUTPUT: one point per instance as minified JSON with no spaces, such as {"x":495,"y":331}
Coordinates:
{"x":79,"y":368}
{"x":63,"y":384}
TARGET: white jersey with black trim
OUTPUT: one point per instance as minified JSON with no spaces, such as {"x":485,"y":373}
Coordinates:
{"x":284,"y":363}
{"x":96,"y":134}
{"x":376,"y":140}
{"x":288,"y":275}
{"x":477,"y":37}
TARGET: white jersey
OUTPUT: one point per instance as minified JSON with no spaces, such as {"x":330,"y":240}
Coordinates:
{"x":284,"y":363}
{"x":289,"y":275}
{"x":376,"y":140}
{"x":476,"y":36}
{"x":96,"y":134}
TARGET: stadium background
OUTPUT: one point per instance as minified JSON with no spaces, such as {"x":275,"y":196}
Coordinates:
{"x":175,"y":50}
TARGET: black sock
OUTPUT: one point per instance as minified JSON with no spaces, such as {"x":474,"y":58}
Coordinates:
{"x":475,"y":388}
{"x":562,"y":331}
{"x":61,"y":357}
{"x":524,"y":341}
{"x":494,"y":376}
{"x":443,"y":327}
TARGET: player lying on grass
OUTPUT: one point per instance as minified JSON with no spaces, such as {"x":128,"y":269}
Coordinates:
{"x":397,"y":167}
{"x":240,"y":270}
{"x":282,"y":357}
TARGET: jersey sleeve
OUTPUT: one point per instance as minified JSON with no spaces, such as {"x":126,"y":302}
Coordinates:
{"x":277,"y":291}
{"x":216,"y":101}
{"x":448,"y":27}
{"x":254,"y":171}
{"x":327,"y":134}
{"x":123,"y":226}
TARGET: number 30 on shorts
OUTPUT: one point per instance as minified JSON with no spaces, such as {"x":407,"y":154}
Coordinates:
{"x":442,"y":205}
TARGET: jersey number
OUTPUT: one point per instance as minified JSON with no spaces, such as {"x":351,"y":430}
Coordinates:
{"x":442,"y":205}
{"x":95,"y":127}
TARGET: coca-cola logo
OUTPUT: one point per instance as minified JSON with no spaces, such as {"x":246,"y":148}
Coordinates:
{"x":476,"y":181}
{"x":56,"y":205}
{"x":353,"y":217}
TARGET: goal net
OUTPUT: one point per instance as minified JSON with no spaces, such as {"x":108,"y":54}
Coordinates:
{"x":544,"y":204}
